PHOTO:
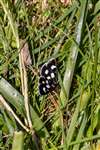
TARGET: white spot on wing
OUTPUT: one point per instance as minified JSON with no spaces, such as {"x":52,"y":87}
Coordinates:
{"x":53,"y":67}
{"x":48,"y":86}
{"x":43,"y":82}
{"x":47,"y":81}
{"x":48,"y":77}
{"x":52,"y":75}
{"x":46,"y":72}
{"x":44,"y":89}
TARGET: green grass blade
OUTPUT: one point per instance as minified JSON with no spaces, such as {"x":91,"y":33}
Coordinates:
{"x":81,"y":132}
{"x":74,"y":51}
{"x":72,"y":125}
{"x":11,"y":21}
{"x":18,"y":141}
{"x":12,"y":95}
{"x":96,"y":52}
{"x":16,"y":99}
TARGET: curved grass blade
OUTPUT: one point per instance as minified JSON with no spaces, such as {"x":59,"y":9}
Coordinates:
{"x":74,"y":52}
{"x":16,"y":99}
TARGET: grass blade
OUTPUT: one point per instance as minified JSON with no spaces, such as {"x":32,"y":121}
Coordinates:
{"x":74,"y":52}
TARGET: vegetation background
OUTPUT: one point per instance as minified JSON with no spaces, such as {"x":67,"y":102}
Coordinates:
{"x":31,"y":33}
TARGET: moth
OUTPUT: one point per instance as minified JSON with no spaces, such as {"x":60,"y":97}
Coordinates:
{"x":48,"y":77}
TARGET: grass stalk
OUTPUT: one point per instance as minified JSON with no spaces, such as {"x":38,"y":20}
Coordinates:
{"x":11,"y":21}
{"x":74,"y":52}
{"x":17,"y":100}
{"x":8,"y":108}
{"x":96,"y":51}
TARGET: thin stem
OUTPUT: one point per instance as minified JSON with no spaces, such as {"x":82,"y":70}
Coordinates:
{"x":94,"y":71}
{"x":8,"y":108}
{"x":95,"y":137}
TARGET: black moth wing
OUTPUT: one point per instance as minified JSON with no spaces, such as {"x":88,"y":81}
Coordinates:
{"x":48,"y":77}
{"x":43,"y":88}
{"x":49,"y":70}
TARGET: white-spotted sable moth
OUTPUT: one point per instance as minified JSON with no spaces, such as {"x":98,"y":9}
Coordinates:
{"x":48,"y":77}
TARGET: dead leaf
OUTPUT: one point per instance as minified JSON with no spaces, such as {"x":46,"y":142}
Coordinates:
{"x":25,"y":53}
